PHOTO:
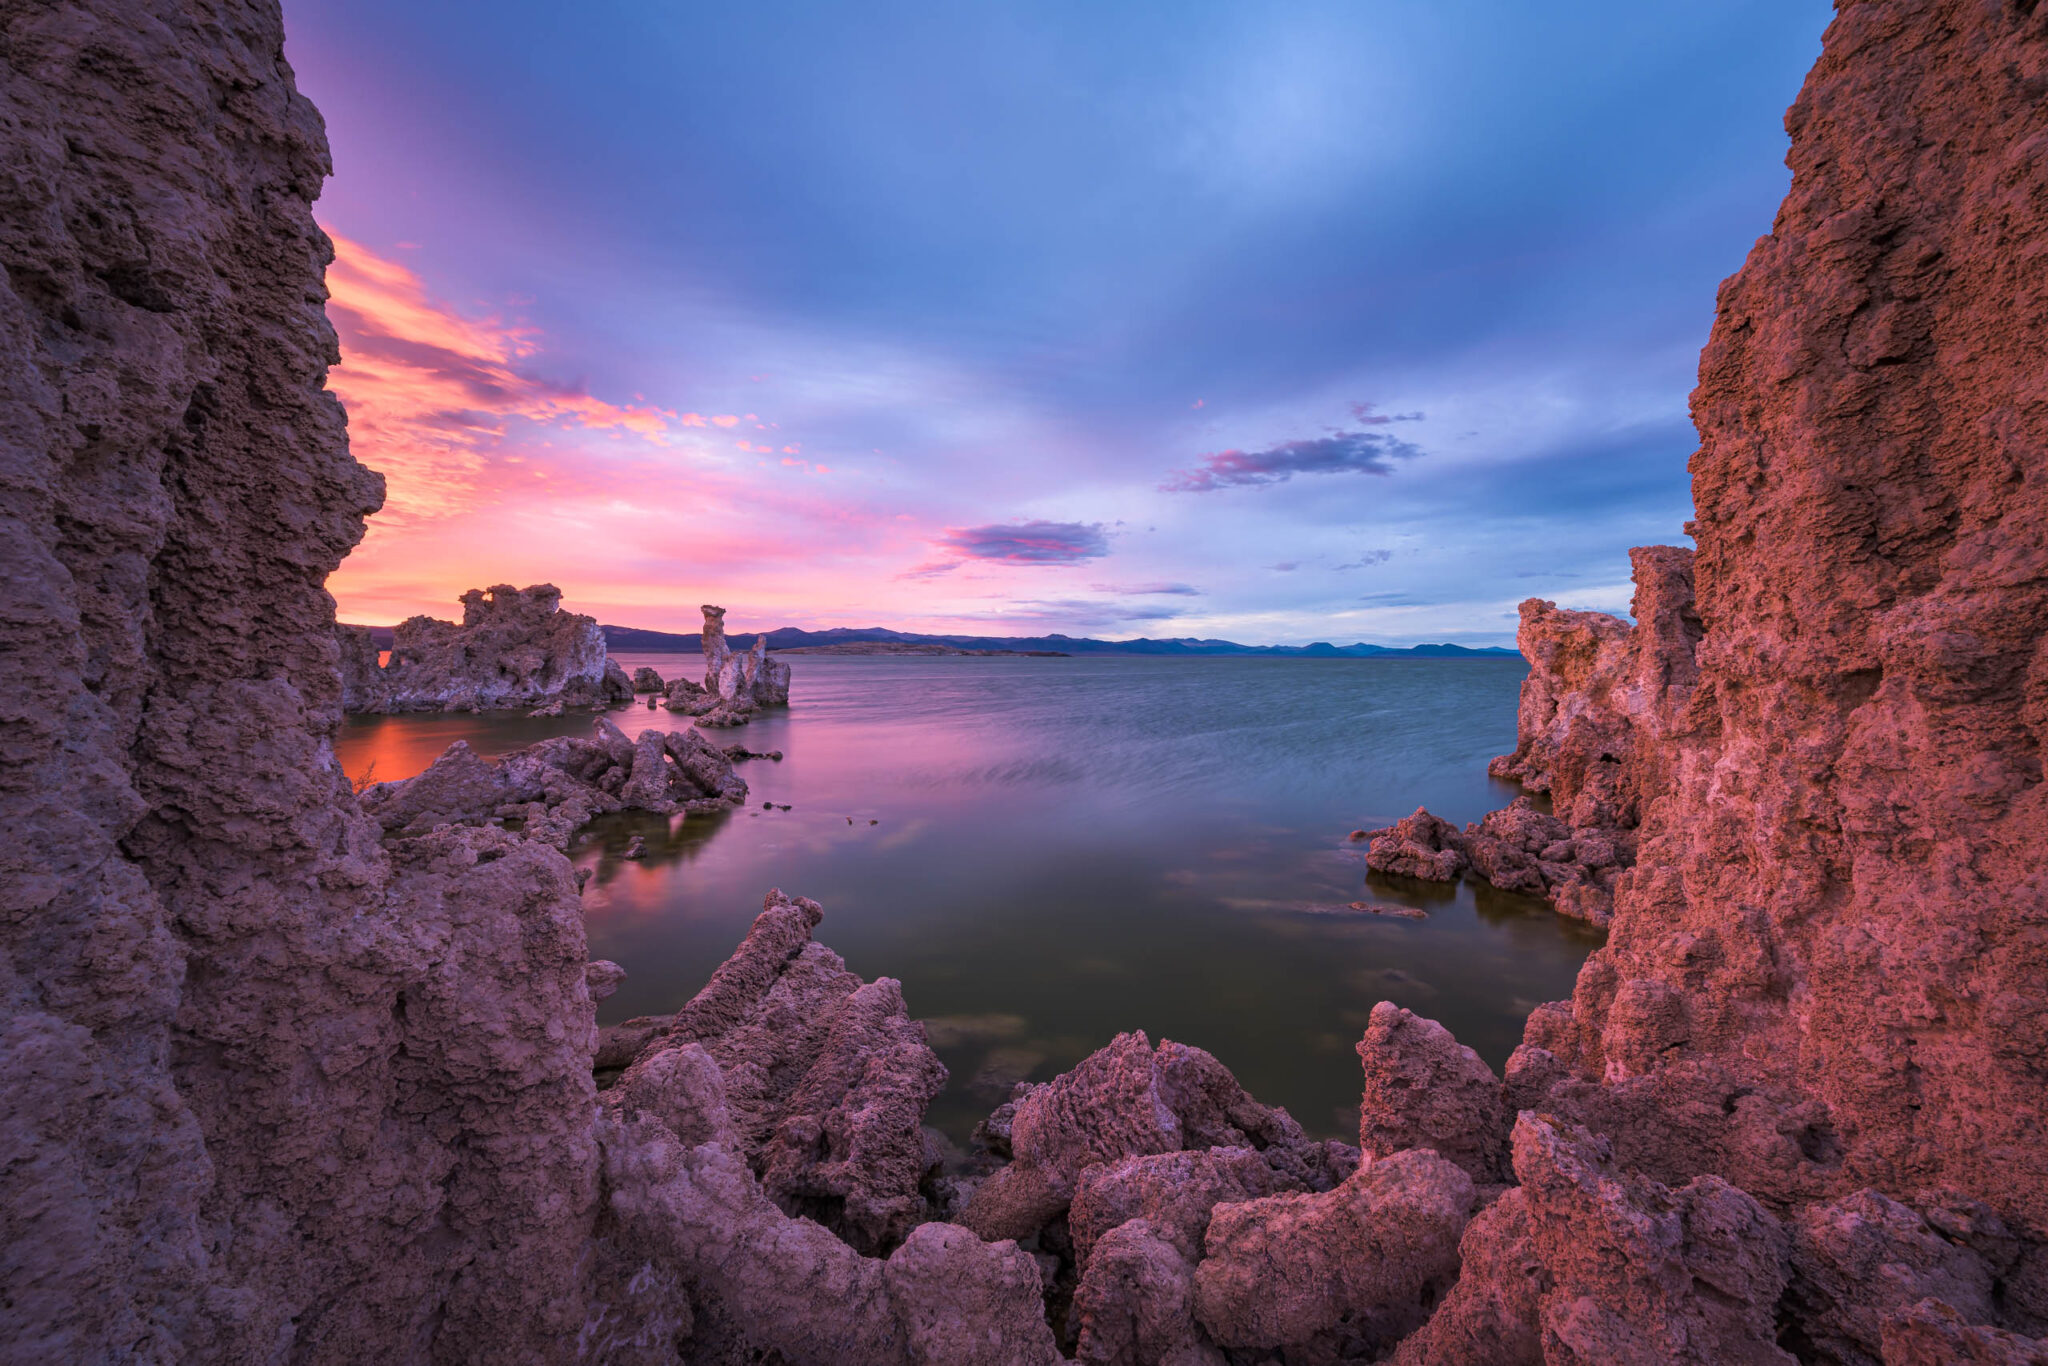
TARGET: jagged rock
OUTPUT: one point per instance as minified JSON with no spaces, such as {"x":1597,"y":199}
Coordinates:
{"x":272,"y":1089}
{"x":1602,"y":695}
{"x":619,"y":1044}
{"x":688,"y":697}
{"x":1602,"y":1264}
{"x":826,"y":1078}
{"x":1600,"y":703}
{"x":1174,"y":1192}
{"x":1419,"y":846}
{"x":1859,"y":1260}
{"x":1340,"y":1275}
{"x":646,"y":679}
{"x":741,"y":682}
{"x":1932,"y":1333}
{"x":615,"y":686}
{"x":1126,"y":1100}
{"x":514,"y":648}
{"x":1136,"y":1304}
{"x":1491,"y":1314}
{"x":554,"y":788}
{"x":1521,"y":849}
{"x":964,"y":1302}
{"x":1423,"y":1089}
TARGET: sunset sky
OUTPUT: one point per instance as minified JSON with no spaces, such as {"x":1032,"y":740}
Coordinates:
{"x":1281,"y":323}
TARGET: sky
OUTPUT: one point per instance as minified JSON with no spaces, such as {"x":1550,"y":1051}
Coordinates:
{"x":1270,"y":322}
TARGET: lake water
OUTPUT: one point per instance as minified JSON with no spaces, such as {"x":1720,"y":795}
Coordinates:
{"x":1048,"y":851}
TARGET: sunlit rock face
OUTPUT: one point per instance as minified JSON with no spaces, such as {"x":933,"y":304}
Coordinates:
{"x":514,"y":647}
{"x":1826,"y":967}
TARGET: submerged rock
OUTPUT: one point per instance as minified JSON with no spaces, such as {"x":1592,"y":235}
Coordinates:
{"x":554,"y":788}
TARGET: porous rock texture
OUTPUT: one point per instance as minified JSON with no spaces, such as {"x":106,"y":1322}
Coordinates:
{"x":1417,"y":846}
{"x":1825,"y":968}
{"x":825,"y":1078}
{"x":1129,"y":1100}
{"x":272,"y":1092}
{"x":1584,"y":1262}
{"x":515,"y":647}
{"x":552,"y":789}
{"x":1424,"y":1089}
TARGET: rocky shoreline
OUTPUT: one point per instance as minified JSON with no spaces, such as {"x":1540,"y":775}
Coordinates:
{"x":289,"y":1082}
{"x":1601,"y":700}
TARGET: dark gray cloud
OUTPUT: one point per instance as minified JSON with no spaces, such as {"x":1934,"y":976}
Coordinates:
{"x":1369,"y":415}
{"x":1029,"y":542}
{"x":1337,"y":453}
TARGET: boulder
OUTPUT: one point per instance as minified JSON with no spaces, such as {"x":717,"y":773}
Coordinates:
{"x":1338,"y":1275}
{"x":1423,"y":1089}
{"x":1418,"y":846}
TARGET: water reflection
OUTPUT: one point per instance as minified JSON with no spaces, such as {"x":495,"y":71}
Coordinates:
{"x":1045,"y":852}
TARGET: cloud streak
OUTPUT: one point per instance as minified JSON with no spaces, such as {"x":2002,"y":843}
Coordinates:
{"x":1033,"y":542}
{"x":1358,"y":452}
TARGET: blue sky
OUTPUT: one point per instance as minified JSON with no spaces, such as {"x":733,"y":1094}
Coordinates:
{"x":1280,"y":323}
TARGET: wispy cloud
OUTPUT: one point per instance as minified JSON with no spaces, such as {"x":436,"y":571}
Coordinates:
{"x":1029,"y":542}
{"x":1369,"y":559}
{"x":1369,"y":415}
{"x":1179,"y":590}
{"x":433,"y":397}
{"x":1359,"y":452}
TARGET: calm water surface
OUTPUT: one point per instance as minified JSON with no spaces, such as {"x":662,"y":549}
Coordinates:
{"x":1048,"y":851}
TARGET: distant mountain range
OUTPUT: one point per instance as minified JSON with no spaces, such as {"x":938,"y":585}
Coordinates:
{"x":791,"y":637}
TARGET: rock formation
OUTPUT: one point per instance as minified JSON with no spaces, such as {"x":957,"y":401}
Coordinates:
{"x":1600,"y":700}
{"x":514,"y":648}
{"x":282,"y":1089}
{"x":740,"y":683}
{"x":646,"y":679}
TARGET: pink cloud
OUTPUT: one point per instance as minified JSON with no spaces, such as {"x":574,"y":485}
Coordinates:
{"x":432,"y":395}
{"x":638,"y":509}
